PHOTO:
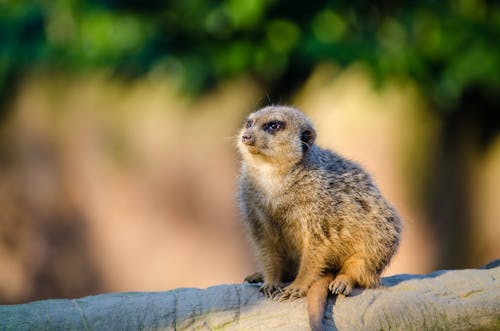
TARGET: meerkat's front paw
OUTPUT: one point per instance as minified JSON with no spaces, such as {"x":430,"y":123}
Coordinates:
{"x":290,"y":293}
{"x":269,"y":289}
{"x":256,"y":277}
{"x":341,"y":285}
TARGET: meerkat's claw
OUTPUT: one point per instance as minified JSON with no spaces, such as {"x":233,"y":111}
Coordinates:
{"x":290,"y":294}
{"x":256,"y":277}
{"x":340,"y":288}
{"x":341,"y":285}
{"x":270,"y":290}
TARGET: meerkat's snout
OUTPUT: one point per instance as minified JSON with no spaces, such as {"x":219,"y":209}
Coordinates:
{"x":248,"y":138}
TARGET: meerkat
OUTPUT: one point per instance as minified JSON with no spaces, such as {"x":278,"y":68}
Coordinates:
{"x":316,"y":220}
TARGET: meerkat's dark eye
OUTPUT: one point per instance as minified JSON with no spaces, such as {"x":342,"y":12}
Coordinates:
{"x":249,"y":124}
{"x":273,"y":126}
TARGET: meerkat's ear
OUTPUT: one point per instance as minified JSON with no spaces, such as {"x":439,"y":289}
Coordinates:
{"x":308,"y":136}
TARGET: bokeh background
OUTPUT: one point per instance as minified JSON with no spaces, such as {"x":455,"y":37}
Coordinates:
{"x":118,"y":119}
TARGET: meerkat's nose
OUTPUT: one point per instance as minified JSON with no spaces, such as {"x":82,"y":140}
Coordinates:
{"x":248,"y":138}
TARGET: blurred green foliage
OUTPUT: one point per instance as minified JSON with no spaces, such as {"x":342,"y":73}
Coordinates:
{"x":445,"y":46}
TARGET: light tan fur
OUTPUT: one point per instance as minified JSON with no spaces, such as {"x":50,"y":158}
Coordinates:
{"x":315,"y":219}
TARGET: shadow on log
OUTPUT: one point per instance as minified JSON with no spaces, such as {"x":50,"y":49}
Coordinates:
{"x":450,"y":300}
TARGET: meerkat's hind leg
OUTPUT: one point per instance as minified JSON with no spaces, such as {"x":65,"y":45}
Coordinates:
{"x":355,"y":271}
{"x":256,"y":277}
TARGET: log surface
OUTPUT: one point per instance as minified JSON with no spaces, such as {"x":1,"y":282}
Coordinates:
{"x":442,"y":300}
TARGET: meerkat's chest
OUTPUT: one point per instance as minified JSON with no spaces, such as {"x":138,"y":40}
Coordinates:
{"x":284,"y":226}
{"x":270,"y":184}
{"x":283,"y":217}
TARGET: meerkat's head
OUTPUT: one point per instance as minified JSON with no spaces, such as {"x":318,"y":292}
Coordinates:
{"x":276,"y":134}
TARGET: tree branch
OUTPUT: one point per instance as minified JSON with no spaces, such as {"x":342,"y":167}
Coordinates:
{"x":452,"y":300}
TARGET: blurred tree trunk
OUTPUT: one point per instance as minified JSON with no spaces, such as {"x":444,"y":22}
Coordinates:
{"x":465,"y":134}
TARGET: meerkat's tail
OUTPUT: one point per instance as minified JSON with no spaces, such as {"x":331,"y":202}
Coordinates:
{"x":316,"y":301}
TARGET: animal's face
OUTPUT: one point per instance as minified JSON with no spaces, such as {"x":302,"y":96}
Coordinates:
{"x":276,"y":135}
